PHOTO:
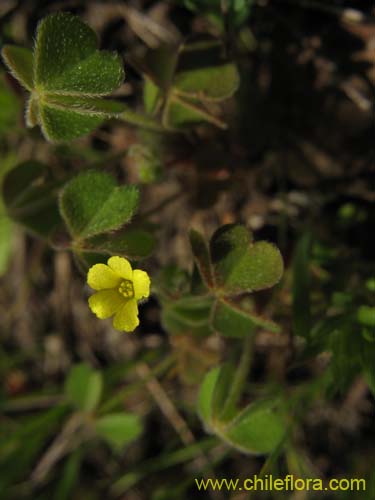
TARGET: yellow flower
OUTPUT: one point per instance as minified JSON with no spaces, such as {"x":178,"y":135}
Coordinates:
{"x":119,"y":288}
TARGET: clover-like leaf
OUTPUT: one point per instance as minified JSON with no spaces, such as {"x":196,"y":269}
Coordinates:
{"x":119,"y":429}
{"x":67,"y":76}
{"x":257,"y":429}
{"x":241,"y":265}
{"x":91,"y":203}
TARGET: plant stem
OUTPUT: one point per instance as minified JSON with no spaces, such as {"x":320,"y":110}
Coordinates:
{"x":240,"y":377}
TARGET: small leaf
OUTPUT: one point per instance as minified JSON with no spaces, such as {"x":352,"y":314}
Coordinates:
{"x":67,"y":59}
{"x":258,"y":429}
{"x":119,"y":429}
{"x":63,"y":124}
{"x":66,"y":75}
{"x":202,"y":257}
{"x":227,"y":245}
{"x":83,"y":387}
{"x":131,"y":243}
{"x":208,"y":83}
{"x":242,"y":266}
{"x":206,"y":396}
{"x":69,"y":476}
{"x":184,"y":111}
{"x":366,"y":316}
{"x":231,"y":320}
{"x":261,"y":267}
{"x":20,"y":61}
{"x":91,"y":204}
{"x":151,"y":95}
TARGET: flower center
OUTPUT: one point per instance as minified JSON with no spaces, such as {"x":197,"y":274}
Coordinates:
{"x":126,"y":289}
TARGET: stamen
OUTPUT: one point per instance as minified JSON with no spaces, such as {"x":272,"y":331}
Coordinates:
{"x":126,"y":289}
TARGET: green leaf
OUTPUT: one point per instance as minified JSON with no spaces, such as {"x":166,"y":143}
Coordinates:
{"x":151,"y":95}
{"x":91,"y":204}
{"x":20,"y":61}
{"x":67,"y":60}
{"x":83,"y":387}
{"x":69,"y":476}
{"x":202,"y":257}
{"x":206,"y":396}
{"x":30,"y":198}
{"x":366,"y":316}
{"x":119,"y":429}
{"x":231,"y":320}
{"x":258,"y":429}
{"x":187,"y":314}
{"x":131,"y":243}
{"x":60,"y":124}
{"x":208,"y":83}
{"x":301,"y":287}
{"x":184,"y":111}
{"x":227,"y":245}
{"x":242,"y":266}
{"x":66,"y":75}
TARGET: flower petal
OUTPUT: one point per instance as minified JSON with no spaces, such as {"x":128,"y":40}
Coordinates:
{"x":101,"y":277}
{"x":105,"y":303}
{"x":127,"y":317}
{"x":141,"y":284}
{"x":121,"y":267}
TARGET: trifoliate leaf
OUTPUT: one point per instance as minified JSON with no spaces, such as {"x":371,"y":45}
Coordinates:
{"x":92,"y":203}
{"x":67,"y":76}
{"x":241,"y":265}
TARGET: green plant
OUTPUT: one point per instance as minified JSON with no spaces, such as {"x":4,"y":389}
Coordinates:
{"x":247,"y":334}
